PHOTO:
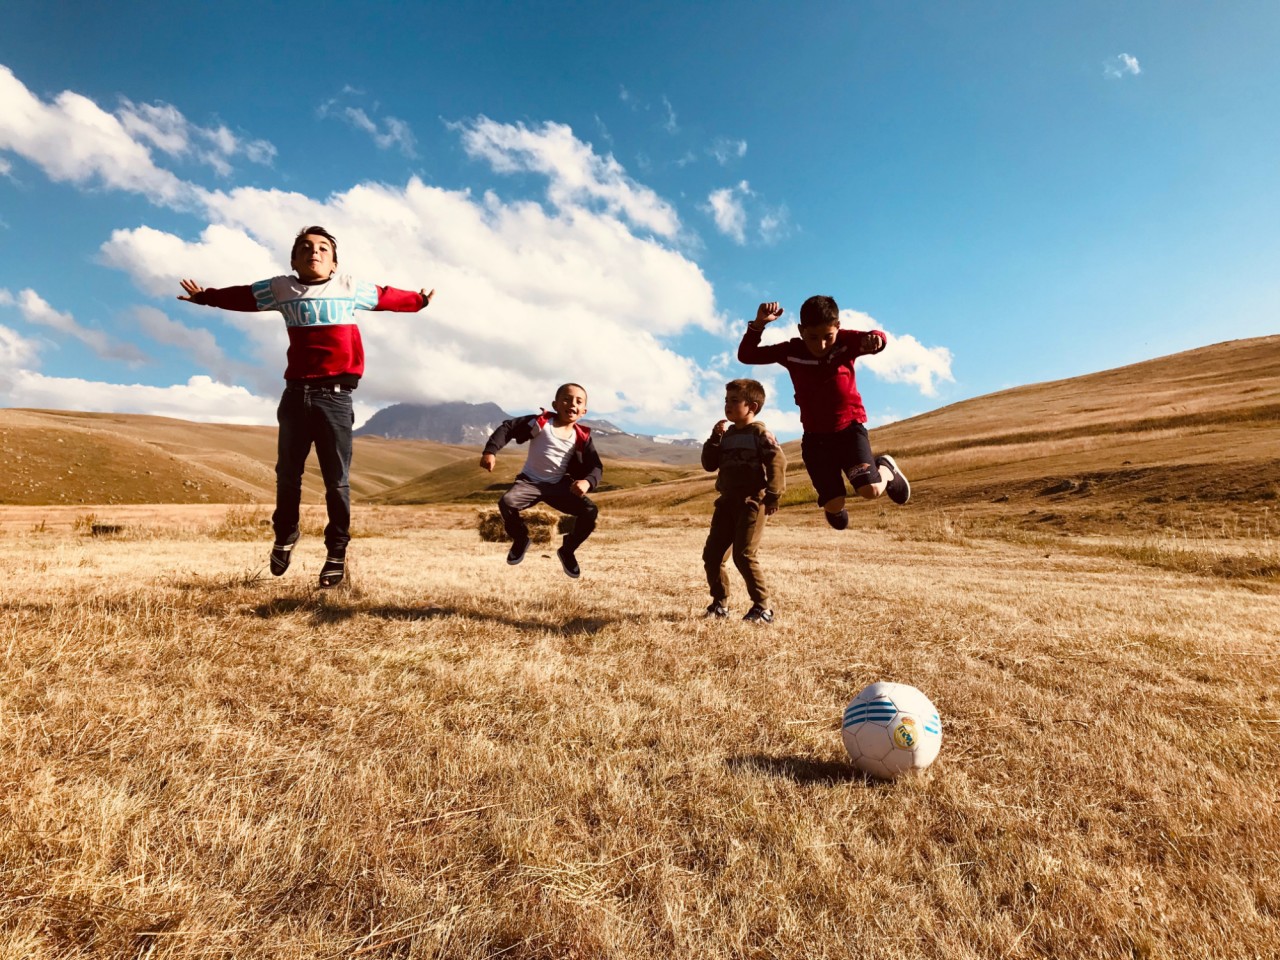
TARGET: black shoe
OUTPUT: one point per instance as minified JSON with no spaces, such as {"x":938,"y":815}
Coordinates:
{"x":898,"y":489}
{"x":838,"y":520}
{"x":517,"y":551}
{"x":333,"y":571}
{"x":717,"y":610}
{"x":758,"y":614}
{"x":569,"y":562}
{"x":281,"y":554}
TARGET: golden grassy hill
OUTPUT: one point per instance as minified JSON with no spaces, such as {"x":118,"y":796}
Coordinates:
{"x":464,"y":481}
{"x":1189,"y":438}
{"x":60,"y":457}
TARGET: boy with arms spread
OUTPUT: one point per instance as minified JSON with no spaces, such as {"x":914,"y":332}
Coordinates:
{"x":562,"y":468}
{"x":753,"y":472}
{"x":835,"y":442}
{"x":325,"y":362}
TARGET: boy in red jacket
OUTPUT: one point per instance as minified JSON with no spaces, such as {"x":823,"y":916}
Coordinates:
{"x":325,"y":363}
{"x":835,"y":444}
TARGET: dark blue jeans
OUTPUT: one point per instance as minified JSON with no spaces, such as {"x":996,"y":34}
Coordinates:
{"x":321,"y":416}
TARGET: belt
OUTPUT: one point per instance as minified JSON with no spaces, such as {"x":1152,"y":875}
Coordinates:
{"x":317,"y":388}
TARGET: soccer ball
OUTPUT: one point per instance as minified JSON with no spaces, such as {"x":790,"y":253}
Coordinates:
{"x":890,"y":729}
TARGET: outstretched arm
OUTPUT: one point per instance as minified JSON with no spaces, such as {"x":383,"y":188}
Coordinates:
{"x":227,"y":298}
{"x":403,"y":301}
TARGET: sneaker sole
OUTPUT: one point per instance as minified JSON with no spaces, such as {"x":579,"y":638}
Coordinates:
{"x":893,"y":465}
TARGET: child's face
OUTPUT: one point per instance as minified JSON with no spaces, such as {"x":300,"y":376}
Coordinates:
{"x":820,"y":339}
{"x":570,"y":404}
{"x":737,"y":409}
{"x":313,"y":258}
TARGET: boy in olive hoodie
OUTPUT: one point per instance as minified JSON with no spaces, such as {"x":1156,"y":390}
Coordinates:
{"x":753,"y":472}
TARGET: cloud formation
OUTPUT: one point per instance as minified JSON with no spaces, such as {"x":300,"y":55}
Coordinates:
{"x":904,"y":358}
{"x":1121,"y":66}
{"x":386,"y":131}
{"x":727,"y":210}
{"x":592,"y":284}
{"x":577,"y":175}
{"x":36,"y":310}
{"x":732,"y":208}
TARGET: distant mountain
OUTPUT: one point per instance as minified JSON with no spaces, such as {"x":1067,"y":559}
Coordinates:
{"x":469,"y":424}
{"x":466,"y":424}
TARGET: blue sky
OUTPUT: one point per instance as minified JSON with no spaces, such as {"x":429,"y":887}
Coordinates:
{"x":1016,"y":192}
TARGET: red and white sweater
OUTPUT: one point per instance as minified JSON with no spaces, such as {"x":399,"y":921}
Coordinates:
{"x":324,"y":341}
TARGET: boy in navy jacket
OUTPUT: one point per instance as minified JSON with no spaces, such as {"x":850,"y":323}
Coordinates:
{"x":561,"y":469}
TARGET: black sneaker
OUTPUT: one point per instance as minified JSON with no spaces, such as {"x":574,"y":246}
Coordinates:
{"x":517,"y":551}
{"x":717,"y":610}
{"x":838,"y":520}
{"x":569,"y":562}
{"x":758,"y":614}
{"x":898,"y":489}
{"x":281,"y":554}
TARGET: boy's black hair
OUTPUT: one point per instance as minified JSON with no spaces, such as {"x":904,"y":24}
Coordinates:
{"x":751,"y":390}
{"x":563,"y":385}
{"x":819,"y":311}
{"x":315,"y":231}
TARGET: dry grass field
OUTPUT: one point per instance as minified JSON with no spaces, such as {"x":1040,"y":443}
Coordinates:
{"x":448,"y":757}
{"x":454,"y":758}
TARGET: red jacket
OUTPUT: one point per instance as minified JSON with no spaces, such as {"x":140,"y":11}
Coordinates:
{"x":826,"y":391}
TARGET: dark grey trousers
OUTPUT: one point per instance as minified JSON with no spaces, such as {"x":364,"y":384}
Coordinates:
{"x":524,"y":493}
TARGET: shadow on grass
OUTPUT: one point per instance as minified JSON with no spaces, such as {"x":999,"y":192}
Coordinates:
{"x":326,"y":612}
{"x":803,"y":770}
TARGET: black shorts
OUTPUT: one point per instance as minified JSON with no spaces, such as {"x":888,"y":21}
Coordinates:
{"x":830,"y":457}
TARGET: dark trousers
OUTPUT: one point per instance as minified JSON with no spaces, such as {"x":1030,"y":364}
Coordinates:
{"x":524,"y":493}
{"x":321,"y":416}
{"x":736,"y":524}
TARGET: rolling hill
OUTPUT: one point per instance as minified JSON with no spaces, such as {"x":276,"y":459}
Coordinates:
{"x":1188,"y":439}
{"x":61,"y":457}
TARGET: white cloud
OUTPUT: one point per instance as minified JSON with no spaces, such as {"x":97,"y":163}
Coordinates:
{"x":669,"y":124}
{"x":387,"y":131}
{"x":727,"y":210}
{"x":527,"y":297}
{"x":734,"y":208}
{"x":725,"y":149}
{"x":164,"y":127}
{"x":35,"y":309}
{"x":904,"y":358}
{"x":200,"y":398}
{"x":775,"y":224}
{"x":16,"y":351}
{"x":199,"y":344}
{"x":74,"y":140}
{"x":578,"y":176}
{"x":1120,"y":66}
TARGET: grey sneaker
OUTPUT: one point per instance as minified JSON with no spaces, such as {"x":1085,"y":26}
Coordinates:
{"x":898,"y":489}
{"x":717,"y":610}
{"x":517,"y":551}
{"x":758,"y":614}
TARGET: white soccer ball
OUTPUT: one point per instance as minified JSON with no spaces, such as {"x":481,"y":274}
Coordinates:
{"x":891,"y":729}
